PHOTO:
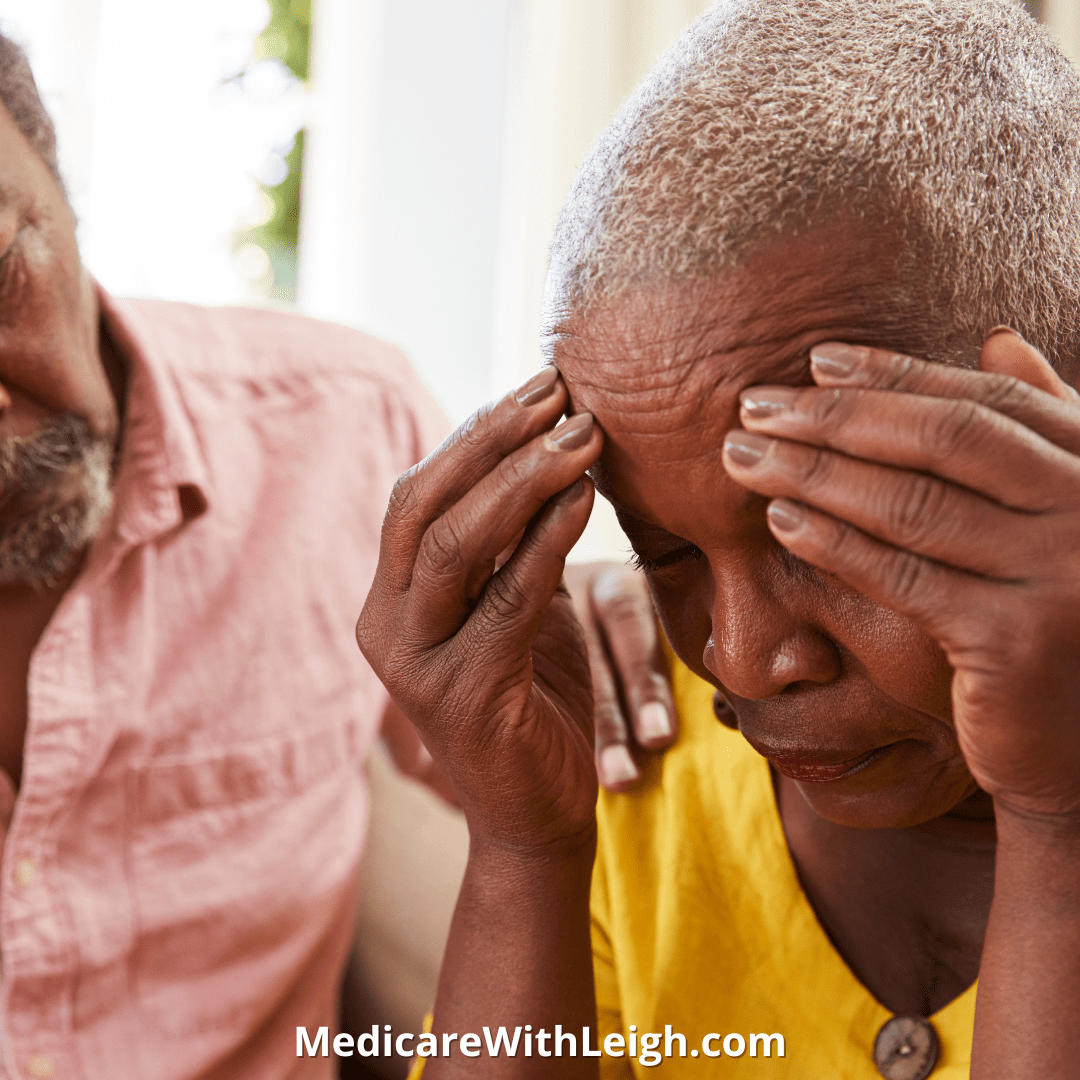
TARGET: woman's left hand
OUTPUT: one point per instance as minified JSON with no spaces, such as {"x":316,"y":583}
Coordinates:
{"x":953,"y":497}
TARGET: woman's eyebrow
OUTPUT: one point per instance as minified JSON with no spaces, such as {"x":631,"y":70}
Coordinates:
{"x":632,"y":519}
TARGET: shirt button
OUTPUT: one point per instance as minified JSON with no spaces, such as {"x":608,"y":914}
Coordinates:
{"x":39,"y":1066}
{"x":906,"y":1048}
{"x":25,"y":872}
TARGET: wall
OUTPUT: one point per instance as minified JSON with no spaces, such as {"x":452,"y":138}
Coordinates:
{"x":159,"y":148}
{"x":402,"y":180}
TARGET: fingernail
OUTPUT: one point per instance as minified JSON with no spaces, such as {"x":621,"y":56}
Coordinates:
{"x":746,"y":448}
{"x":785,"y":515}
{"x":653,"y":721}
{"x":616,"y":765}
{"x":765,"y":401}
{"x":573,"y":433}
{"x":537,"y":388}
{"x":572,"y":493}
{"x":1002,"y":329}
{"x":837,"y":357}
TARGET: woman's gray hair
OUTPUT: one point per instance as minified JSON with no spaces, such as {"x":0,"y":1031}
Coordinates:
{"x":956,"y":120}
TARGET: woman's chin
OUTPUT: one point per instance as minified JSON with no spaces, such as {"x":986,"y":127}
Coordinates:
{"x":899,"y":786}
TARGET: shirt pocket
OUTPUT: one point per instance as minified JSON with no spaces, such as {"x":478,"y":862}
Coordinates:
{"x":241,"y":864}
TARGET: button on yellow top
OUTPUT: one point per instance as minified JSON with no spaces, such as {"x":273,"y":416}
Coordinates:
{"x":906,"y":1048}
{"x":25,"y":873}
{"x":39,"y":1066}
{"x":699,"y":921}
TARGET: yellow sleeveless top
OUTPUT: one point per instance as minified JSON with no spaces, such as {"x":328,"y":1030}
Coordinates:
{"x":699,"y":922}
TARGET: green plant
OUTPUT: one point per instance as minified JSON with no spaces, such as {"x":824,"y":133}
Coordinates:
{"x":285,"y":38}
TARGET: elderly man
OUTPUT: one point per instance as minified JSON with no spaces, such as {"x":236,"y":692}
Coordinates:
{"x":776,"y":301}
{"x":180,"y":716}
{"x":190,"y":506}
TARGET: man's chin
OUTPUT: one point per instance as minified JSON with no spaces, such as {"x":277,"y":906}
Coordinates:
{"x":41,"y":545}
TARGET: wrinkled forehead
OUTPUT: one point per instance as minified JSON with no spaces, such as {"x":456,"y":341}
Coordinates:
{"x":666,"y":351}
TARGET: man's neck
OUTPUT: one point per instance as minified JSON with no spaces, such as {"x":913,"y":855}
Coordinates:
{"x":116,"y":371}
{"x":25,"y":612}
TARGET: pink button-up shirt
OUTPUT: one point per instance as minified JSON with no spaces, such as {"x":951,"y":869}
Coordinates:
{"x":177,"y":885}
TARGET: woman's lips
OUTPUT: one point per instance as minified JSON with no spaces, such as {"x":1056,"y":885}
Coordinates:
{"x":816,"y":771}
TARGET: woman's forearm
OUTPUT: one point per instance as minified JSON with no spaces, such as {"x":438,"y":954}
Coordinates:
{"x":1029,"y":978}
{"x":519,"y":957}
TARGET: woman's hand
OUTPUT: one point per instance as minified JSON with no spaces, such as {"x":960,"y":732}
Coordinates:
{"x":482,"y":650}
{"x":953,"y":497}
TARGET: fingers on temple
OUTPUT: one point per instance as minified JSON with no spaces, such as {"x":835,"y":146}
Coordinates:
{"x":931,"y":594}
{"x":955,"y":438}
{"x":1054,"y":416}
{"x":627,"y":620}
{"x":458,"y":553}
{"x":476,"y":448}
{"x":910,"y":510}
{"x":515,"y":598}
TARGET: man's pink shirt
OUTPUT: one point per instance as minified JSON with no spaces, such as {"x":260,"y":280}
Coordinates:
{"x":178,"y":880}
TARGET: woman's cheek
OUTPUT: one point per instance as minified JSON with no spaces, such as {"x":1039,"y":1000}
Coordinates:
{"x":900,"y":659}
{"x":683,"y":599}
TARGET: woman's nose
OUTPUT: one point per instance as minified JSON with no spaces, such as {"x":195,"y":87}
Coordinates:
{"x":762,"y":643}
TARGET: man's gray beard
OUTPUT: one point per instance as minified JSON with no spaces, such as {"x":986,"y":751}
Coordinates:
{"x":39,"y":548}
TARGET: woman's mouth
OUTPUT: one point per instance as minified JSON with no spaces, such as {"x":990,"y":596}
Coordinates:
{"x":818,"y":770}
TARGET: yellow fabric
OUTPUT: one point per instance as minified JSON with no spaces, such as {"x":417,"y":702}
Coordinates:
{"x":699,"y":922}
{"x":417,"y":1069}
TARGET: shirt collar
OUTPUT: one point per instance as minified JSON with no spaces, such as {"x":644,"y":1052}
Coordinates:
{"x":162,"y":477}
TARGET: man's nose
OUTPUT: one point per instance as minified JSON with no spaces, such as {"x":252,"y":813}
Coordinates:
{"x":762,"y":641}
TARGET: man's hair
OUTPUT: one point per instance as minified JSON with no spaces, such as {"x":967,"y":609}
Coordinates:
{"x":19,"y":94}
{"x":957,"y":121}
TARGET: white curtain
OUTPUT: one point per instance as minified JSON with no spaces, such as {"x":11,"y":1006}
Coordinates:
{"x":573,"y":62}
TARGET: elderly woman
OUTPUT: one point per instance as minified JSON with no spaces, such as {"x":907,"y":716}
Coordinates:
{"x":775,"y":307}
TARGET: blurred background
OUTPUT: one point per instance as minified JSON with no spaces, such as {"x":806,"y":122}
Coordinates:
{"x":396,"y":165}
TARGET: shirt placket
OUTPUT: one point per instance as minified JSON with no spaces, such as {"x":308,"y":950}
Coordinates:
{"x":36,"y":940}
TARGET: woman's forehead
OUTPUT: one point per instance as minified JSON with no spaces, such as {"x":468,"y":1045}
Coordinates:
{"x":649,"y":371}
{"x":749,"y":324}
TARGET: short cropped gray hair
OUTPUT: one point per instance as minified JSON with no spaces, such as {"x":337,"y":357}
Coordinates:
{"x":957,"y":119}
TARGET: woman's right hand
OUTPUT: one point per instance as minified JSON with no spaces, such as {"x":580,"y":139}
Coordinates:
{"x":485,"y":656}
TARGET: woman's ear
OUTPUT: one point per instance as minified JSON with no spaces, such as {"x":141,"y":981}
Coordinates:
{"x":1005,"y":352}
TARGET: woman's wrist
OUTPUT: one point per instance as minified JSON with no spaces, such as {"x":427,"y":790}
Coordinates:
{"x":1034,"y":830}
{"x":565,"y":858}
{"x":1037,"y":863}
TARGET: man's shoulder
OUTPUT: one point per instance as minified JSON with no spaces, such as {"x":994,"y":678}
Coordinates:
{"x":260,"y":343}
{"x":236,"y":363}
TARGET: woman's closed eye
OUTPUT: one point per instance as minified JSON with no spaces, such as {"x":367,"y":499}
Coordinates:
{"x":654,"y":548}
{"x":650,"y":564}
